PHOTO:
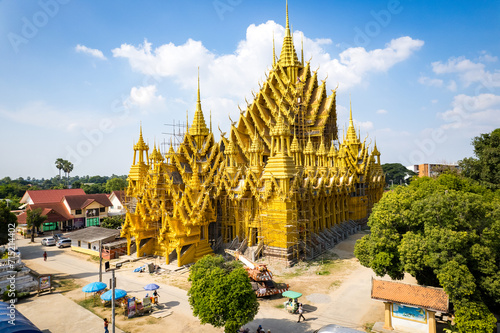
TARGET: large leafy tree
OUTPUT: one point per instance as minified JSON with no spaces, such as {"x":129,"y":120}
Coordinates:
{"x":446,"y":233}
{"x":396,"y":173}
{"x":221,"y":293}
{"x":112,"y":222}
{"x":34,"y":219}
{"x":7,"y":219}
{"x":485,"y":168}
{"x":115,"y":184}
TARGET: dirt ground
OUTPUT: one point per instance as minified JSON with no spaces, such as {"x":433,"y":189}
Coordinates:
{"x":322,"y":283}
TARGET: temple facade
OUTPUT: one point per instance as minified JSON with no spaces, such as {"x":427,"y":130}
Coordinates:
{"x":280,"y":183}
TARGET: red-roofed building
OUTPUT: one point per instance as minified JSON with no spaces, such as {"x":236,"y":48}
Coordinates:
{"x":66,"y":209}
{"x":46,"y":196}
{"x":410,"y":307}
{"x":88,"y":210}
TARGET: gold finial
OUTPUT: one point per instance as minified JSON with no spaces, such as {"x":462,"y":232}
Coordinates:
{"x":287,"y":28}
{"x":274,"y":53}
{"x":187,"y":122}
{"x":198,"y":101}
{"x":302,"y":48}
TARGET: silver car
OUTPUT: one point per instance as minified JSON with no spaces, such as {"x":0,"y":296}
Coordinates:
{"x":63,"y":242}
{"x":48,"y":241}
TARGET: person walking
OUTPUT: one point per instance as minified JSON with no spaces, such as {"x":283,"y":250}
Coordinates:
{"x":301,"y":311}
{"x":155,"y":296}
{"x":106,"y":323}
{"x":45,"y":256}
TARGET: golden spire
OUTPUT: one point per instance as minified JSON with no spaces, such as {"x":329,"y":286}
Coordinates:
{"x":199,"y":126}
{"x":274,"y":53}
{"x":288,"y":56}
{"x":302,"y":49}
{"x":351,"y":131}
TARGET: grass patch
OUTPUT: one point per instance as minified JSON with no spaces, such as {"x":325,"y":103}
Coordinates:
{"x":279,"y":306}
{"x":66,"y":285}
{"x":93,"y":258}
{"x":151,"y":321}
{"x":368,"y":327}
{"x":335,"y":284}
{"x":89,"y":304}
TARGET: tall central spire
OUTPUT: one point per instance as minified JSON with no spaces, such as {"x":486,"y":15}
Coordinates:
{"x":199,"y":126}
{"x":288,"y":56}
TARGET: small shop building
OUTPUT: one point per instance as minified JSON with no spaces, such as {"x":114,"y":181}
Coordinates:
{"x":87,"y":240}
{"x":408,"y":307}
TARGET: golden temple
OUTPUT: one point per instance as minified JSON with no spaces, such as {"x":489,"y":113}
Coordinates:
{"x":281,"y":183}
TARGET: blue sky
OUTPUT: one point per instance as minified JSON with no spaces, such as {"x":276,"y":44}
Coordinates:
{"x":78,"y":77}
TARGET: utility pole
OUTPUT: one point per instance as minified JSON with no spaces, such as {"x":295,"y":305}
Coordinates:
{"x":113,"y":286}
{"x":100,"y":261}
{"x":113,"y":301}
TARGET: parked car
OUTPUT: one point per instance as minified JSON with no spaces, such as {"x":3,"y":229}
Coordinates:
{"x":63,"y":242}
{"x":58,"y":236}
{"x":48,"y":241}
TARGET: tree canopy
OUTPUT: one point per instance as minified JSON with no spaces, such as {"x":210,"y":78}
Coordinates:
{"x":221,"y":293}
{"x":446,"y":233}
{"x":6,"y":219}
{"x":485,"y":168}
{"x":112,"y":222}
{"x":34,"y":219}
{"x":115,"y":184}
{"x":396,"y":173}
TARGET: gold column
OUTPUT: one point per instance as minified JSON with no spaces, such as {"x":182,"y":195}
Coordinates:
{"x":388,"y":322}
{"x":432,"y":321}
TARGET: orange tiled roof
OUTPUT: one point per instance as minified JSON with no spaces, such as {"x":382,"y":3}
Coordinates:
{"x":424,"y":297}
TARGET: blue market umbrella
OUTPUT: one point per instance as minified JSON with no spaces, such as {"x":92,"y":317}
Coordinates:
{"x":119,"y":293}
{"x":151,"y":286}
{"x":94,"y":287}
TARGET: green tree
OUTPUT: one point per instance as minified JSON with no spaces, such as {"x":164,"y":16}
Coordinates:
{"x":112,"y":222}
{"x":115,"y":184}
{"x":7,"y":219}
{"x":67,"y":168}
{"x":485,"y":168}
{"x":34,"y":219}
{"x":60,"y":165}
{"x":221,"y":293}
{"x":396,"y":173}
{"x":446,"y":233}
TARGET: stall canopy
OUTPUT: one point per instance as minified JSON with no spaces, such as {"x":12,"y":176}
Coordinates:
{"x":22,"y":324}
{"x":291,"y":294}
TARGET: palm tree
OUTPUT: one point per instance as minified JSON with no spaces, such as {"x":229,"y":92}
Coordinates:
{"x":67,"y":168}
{"x":34,"y":220}
{"x":59,"y":165}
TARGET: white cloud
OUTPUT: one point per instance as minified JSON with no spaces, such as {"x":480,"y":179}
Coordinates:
{"x":434,"y":101}
{"x":40,"y":114}
{"x":430,"y":82}
{"x":473,"y":112}
{"x":145,"y":96}
{"x":468,"y":71}
{"x":93,"y":52}
{"x":234,"y":76}
{"x":452,"y":86}
{"x":381,"y":111}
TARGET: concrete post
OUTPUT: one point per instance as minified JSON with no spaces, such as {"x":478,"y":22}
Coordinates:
{"x":388,"y":321}
{"x":432,"y":321}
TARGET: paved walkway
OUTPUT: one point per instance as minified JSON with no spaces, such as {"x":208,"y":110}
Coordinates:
{"x":56,"y":313}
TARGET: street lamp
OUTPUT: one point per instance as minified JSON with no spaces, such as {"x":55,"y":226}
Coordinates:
{"x":113,"y":286}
